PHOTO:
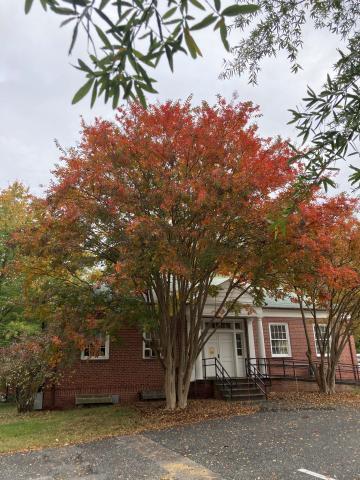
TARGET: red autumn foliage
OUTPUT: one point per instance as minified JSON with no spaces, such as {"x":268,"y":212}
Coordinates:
{"x":161,"y":201}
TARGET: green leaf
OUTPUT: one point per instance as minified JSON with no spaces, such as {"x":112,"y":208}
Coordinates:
{"x":73,"y":38}
{"x":28,"y":5}
{"x":63,"y":11}
{"x":116,"y":95}
{"x":217,"y":4}
{"x":68,"y":20}
{"x":140,"y":95}
{"x":223,"y":34}
{"x":103,"y":37}
{"x":197,"y":4}
{"x":169,"y":56}
{"x":82,"y":91}
{"x":191,"y":44}
{"x":104,"y":17}
{"x":44,"y":4}
{"x":205,"y":22}
{"x":103,"y":4}
{"x":169,"y":13}
{"x":234,"y":10}
{"x":94,"y":94}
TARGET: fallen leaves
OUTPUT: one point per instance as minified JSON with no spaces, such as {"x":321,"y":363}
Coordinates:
{"x":315,"y":400}
{"x":155,"y":417}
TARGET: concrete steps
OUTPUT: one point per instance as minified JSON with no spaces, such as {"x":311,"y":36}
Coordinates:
{"x":243,"y":389}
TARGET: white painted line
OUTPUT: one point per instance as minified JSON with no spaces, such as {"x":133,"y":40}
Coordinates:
{"x":313,"y":474}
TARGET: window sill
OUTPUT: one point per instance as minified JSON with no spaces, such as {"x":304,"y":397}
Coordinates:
{"x":94,"y":359}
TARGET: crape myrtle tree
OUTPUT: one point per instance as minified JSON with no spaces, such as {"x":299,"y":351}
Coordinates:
{"x":163,"y":200}
{"x":321,"y":265}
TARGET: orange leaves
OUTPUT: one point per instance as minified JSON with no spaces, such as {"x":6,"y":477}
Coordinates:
{"x":323,"y":247}
{"x":172,"y":189}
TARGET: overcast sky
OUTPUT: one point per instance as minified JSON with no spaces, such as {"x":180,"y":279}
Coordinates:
{"x":37,"y":83}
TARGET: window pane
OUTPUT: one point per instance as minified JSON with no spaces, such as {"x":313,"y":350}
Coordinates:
{"x":239,"y":347}
{"x":279,"y":340}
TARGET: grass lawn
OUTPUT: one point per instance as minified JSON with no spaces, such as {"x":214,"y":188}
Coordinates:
{"x":42,"y":429}
{"x":19,"y":432}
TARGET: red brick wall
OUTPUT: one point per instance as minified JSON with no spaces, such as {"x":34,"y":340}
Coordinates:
{"x":298,"y":342}
{"x":125,"y":373}
{"x":305,"y":386}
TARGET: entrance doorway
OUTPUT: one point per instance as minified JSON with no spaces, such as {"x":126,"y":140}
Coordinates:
{"x":221,"y":346}
{"x":228,"y":345}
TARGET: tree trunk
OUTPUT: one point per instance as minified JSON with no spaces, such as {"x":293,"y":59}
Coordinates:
{"x":170,"y":384}
{"x":183,"y":387}
{"x":177,"y":384}
{"x":325,"y":377}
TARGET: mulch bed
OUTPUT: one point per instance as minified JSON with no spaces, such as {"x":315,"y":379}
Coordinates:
{"x":156,"y":417}
{"x":312,"y":400}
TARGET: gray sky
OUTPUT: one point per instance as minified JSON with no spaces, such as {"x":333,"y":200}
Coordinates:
{"x":37,"y":83}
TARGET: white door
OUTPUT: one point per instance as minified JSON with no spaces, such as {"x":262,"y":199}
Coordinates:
{"x":226,"y":352}
{"x":221,"y":346}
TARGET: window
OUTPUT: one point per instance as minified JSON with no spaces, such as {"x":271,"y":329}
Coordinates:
{"x":239,"y":345}
{"x":97,"y":350}
{"x":148,"y":352}
{"x":239,"y":325}
{"x":319,"y":336}
{"x":218,"y":325}
{"x":279,"y":340}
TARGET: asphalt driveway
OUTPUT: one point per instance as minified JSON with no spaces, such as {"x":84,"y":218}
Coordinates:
{"x":287,"y":445}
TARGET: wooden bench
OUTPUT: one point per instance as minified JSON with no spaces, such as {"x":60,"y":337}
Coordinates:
{"x":93,"y":399}
{"x":152,"y":395}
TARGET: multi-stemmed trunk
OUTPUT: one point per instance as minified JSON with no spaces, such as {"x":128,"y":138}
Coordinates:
{"x":177,"y":380}
{"x":325,"y":373}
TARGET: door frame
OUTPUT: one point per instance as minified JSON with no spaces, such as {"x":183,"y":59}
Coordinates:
{"x":233,"y":330}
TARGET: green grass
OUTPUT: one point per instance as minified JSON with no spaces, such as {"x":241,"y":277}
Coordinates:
{"x":54,"y":428}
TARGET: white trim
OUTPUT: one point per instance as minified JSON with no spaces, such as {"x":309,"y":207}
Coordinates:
{"x":99,"y":357}
{"x":277,"y":355}
{"x":147,"y":336}
{"x":318,"y":354}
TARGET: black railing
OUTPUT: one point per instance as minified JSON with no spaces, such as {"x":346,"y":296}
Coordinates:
{"x":220,"y":373}
{"x":260,"y":380}
{"x":289,"y":368}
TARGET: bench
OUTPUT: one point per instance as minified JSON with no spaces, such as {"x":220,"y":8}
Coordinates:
{"x":93,"y":399}
{"x":152,"y":395}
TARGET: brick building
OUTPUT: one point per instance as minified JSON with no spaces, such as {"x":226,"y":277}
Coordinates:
{"x":270,"y":339}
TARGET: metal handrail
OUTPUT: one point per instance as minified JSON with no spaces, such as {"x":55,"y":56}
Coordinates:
{"x":284,"y":367}
{"x":259,"y":379}
{"x":221,"y":374}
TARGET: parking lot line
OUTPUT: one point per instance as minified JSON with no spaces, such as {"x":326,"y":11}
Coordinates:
{"x":314,"y":474}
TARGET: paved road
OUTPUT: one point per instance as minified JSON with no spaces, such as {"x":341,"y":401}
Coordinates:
{"x":266,"y":446}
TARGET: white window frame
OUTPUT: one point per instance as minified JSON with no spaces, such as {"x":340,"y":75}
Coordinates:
{"x":146,"y":337}
{"x":317,"y":351}
{"x":285,"y":355}
{"x":98,"y":357}
{"x":239,"y":334}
